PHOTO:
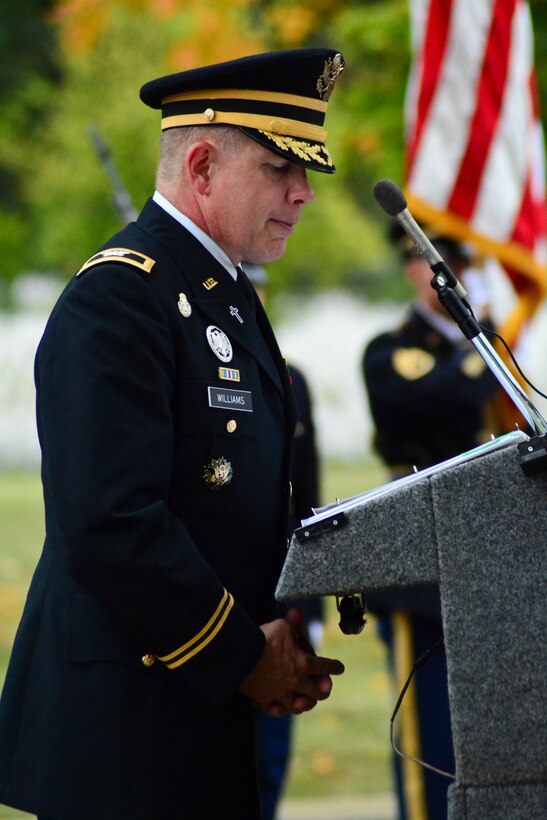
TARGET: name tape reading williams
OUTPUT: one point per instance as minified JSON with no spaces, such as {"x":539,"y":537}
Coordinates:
{"x":230,"y":399}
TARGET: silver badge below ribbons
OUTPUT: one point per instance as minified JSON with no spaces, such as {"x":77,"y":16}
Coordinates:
{"x":219,"y":343}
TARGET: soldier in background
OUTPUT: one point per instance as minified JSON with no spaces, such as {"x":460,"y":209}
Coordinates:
{"x":275,"y":733}
{"x":429,"y":392}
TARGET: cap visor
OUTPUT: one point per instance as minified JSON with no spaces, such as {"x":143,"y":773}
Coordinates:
{"x":312,"y":155}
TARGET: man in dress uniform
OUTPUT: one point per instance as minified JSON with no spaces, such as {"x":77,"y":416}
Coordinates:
{"x":165,"y":416}
{"x":428,"y":391}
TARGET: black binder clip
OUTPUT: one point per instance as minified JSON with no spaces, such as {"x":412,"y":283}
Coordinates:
{"x":334,"y":522}
{"x":352,"y":612}
{"x":533,"y":455}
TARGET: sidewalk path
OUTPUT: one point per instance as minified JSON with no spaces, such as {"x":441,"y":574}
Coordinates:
{"x":377,"y":807}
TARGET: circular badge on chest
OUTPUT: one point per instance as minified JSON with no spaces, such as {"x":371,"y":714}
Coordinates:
{"x":219,"y":343}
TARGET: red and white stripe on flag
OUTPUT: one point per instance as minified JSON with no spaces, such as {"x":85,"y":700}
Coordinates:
{"x":475,"y":156}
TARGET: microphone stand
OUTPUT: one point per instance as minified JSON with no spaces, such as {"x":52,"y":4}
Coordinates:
{"x":452,"y":295}
{"x":533,"y":453}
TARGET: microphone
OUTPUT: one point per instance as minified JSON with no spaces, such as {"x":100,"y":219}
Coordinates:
{"x":390,"y":197}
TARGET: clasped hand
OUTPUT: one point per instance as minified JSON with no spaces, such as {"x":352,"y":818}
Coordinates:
{"x":289,"y":676}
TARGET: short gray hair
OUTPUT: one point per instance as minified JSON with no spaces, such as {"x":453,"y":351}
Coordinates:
{"x":174,"y":143}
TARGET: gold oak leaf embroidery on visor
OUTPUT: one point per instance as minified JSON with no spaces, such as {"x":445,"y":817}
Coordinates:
{"x":203,"y":637}
{"x":303,"y":150}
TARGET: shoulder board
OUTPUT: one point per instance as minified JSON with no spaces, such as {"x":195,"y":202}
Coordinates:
{"x":412,"y":363}
{"x":473,"y":365}
{"x":125,"y":255}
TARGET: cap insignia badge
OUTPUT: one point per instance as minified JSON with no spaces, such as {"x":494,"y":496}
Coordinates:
{"x":332,"y":70}
{"x":218,"y":473}
{"x":184,"y":305}
{"x":219,"y":343}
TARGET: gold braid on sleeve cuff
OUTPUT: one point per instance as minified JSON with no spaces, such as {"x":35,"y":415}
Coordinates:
{"x":203,"y":637}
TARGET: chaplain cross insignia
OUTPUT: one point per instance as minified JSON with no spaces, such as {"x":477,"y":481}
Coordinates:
{"x":235,"y":312}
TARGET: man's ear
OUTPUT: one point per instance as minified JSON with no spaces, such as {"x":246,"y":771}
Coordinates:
{"x":199,"y":159}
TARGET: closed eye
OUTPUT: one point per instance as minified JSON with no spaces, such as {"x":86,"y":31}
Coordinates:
{"x":277,"y":170}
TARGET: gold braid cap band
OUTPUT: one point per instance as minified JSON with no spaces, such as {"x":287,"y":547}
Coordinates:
{"x":276,"y":125}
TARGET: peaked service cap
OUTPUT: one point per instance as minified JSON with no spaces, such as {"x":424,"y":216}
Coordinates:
{"x":278,"y":99}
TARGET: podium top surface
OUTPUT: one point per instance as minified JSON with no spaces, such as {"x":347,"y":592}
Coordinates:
{"x":388,"y":537}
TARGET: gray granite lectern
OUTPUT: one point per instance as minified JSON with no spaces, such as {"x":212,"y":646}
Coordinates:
{"x":479,"y":529}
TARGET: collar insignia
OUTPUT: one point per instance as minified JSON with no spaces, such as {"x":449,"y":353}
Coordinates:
{"x":209,"y":283}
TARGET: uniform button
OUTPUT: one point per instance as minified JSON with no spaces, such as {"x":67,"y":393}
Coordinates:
{"x":231,"y":425}
{"x":209,"y":114}
{"x":148,"y":660}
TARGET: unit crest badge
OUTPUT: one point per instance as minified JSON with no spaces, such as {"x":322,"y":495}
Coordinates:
{"x":219,"y":343}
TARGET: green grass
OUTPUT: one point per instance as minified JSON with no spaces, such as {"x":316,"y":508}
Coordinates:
{"x":342,"y":746}
{"x":22,"y":533}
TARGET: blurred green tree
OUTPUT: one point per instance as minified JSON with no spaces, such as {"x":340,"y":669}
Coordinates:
{"x":109,"y":49}
{"x":29,"y":71}
{"x":90,"y":61}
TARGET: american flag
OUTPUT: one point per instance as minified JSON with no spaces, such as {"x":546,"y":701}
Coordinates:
{"x":475,"y":156}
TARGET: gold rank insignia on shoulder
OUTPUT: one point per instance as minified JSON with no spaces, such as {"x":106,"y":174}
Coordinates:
{"x":473,"y":365}
{"x":209,"y":283}
{"x":412,"y":363}
{"x":218,"y":473}
{"x":125,"y":255}
{"x":184,"y":305}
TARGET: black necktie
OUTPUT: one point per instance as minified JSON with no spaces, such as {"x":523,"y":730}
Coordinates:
{"x":248,"y":290}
